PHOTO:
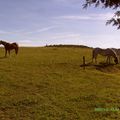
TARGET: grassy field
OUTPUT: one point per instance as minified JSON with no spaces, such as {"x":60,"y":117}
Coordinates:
{"x":49,"y":84}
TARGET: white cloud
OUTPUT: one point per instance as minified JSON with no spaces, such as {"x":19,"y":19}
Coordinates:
{"x":41,"y":30}
{"x":10,"y":32}
{"x":23,"y":32}
{"x":104,"y":16}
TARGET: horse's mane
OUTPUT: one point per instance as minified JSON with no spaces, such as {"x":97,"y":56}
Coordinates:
{"x":113,"y":52}
{"x":14,"y":43}
{"x":3,"y":41}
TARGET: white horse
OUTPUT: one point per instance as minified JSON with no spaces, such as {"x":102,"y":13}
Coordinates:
{"x":104,"y":52}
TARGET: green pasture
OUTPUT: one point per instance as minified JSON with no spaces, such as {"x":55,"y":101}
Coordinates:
{"x":47,"y":83}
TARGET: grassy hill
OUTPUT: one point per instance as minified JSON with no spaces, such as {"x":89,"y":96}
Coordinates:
{"x":48,"y":83}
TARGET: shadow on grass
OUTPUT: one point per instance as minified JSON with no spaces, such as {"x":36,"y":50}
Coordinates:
{"x":2,"y":57}
{"x":101,"y":64}
{"x":103,"y":67}
{"x":107,"y":68}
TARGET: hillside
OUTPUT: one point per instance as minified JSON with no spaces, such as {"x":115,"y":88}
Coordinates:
{"x":71,"y":46}
{"x":47,"y":83}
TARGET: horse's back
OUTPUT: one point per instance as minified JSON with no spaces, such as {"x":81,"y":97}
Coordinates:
{"x":111,"y":52}
{"x":104,"y":52}
{"x":15,"y":44}
{"x":95,"y":50}
{"x":98,"y":51}
{"x":117,"y":51}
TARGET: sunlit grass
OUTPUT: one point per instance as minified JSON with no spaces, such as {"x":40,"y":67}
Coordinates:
{"x":49,"y":84}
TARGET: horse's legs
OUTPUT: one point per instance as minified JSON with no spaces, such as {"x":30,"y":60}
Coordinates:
{"x":92,"y":60}
{"x":110,"y":59}
{"x":95,"y":60}
{"x":107,"y":59}
{"x":9,"y":52}
{"x":16,"y":50}
{"x":5,"y":53}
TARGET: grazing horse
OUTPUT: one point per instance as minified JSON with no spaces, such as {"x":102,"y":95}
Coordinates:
{"x":105,"y":52}
{"x":9,"y":46}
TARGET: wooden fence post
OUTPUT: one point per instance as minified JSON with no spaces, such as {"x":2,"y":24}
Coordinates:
{"x":84,"y":62}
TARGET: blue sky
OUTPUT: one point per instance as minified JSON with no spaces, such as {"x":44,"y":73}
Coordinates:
{"x":41,"y":22}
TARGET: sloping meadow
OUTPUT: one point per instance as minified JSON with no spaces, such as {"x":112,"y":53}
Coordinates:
{"x":47,"y":83}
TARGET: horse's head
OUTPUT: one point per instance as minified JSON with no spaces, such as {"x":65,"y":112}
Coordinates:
{"x":116,"y":60}
{"x":1,"y":41}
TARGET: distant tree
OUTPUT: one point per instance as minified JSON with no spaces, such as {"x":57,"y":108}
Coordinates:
{"x":113,"y":4}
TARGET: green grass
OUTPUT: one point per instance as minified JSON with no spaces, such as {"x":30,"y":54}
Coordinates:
{"x":49,"y":84}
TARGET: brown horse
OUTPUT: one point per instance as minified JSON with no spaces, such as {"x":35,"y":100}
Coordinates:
{"x":9,"y":47}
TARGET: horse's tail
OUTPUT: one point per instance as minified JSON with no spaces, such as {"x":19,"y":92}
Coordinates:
{"x":16,"y":48}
